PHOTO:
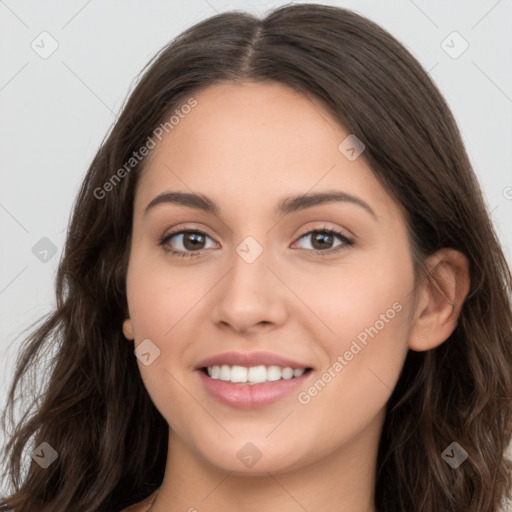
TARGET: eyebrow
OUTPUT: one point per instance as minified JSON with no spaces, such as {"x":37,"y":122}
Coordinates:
{"x":287,"y":205}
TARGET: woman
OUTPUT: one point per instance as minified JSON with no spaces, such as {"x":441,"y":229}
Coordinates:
{"x":281,"y":290}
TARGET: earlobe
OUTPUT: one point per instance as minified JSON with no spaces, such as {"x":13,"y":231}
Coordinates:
{"x":441,"y":296}
{"x":128,"y":329}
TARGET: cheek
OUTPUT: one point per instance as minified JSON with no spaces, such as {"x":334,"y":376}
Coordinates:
{"x":161,"y":302}
{"x":362,"y":293}
{"x":364,"y":359}
{"x":159,"y":299}
{"x":362,"y":323}
{"x":159,"y":296}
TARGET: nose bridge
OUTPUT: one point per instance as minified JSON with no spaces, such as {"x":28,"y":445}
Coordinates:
{"x":249,"y":273}
{"x":250,"y":293}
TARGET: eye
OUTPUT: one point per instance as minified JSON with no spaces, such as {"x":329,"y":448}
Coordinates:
{"x":186,"y":242}
{"x":322,"y":240}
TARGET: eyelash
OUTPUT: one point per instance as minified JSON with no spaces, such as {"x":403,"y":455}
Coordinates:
{"x":347,"y":242}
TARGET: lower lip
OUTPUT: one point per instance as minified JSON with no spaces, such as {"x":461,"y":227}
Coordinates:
{"x":251,"y":396}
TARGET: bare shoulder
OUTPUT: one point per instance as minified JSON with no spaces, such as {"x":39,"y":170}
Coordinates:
{"x":142,"y":506}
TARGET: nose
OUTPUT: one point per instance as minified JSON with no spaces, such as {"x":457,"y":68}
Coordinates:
{"x":250,"y":297}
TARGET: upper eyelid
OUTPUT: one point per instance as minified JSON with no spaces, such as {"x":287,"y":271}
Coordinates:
{"x":346,"y":239}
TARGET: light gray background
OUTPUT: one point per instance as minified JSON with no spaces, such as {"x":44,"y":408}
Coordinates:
{"x":55,"y":112}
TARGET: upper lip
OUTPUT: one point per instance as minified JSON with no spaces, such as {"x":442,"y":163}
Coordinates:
{"x":249,"y":359}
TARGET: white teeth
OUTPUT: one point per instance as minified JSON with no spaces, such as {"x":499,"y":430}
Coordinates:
{"x":254,"y":374}
{"x":257,"y":374}
{"x":273,"y":373}
{"x":238,"y":374}
{"x":287,"y":373}
{"x":225,"y":372}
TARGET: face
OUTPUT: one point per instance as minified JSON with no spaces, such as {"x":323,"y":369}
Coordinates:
{"x":324,"y":285}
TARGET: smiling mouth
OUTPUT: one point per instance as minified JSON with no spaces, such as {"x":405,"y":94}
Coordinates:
{"x":261,"y":374}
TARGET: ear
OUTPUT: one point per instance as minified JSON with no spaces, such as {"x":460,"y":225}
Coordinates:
{"x":128,"y":329}
{"x":440,"y":297}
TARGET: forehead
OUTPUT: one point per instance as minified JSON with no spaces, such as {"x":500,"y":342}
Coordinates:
{"x":256,"y":141}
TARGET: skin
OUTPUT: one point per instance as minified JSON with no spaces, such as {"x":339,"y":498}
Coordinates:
{"x":246,"y":147}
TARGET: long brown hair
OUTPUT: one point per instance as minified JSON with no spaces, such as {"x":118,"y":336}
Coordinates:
{"x":89,"y":409}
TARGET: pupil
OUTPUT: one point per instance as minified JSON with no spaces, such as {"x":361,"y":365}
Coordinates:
{"x":324,"y":238}
{"x":194,"y":238}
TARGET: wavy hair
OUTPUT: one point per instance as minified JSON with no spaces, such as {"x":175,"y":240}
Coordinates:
{"x":89,"y":408}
